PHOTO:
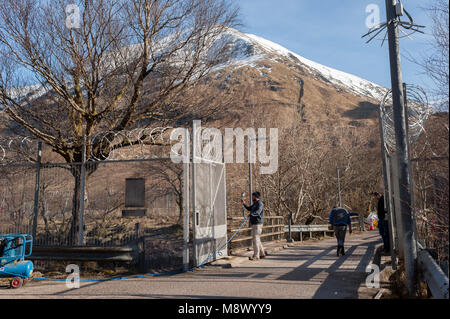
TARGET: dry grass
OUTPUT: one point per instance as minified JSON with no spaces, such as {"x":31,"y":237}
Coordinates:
{"x":397,"y":285}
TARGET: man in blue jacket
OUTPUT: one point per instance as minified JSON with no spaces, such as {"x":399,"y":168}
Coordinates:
{"x":339,"y":219}
{"x":256,"y":221}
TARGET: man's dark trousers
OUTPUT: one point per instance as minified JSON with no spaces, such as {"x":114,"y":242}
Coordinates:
{"x":384,"y":232}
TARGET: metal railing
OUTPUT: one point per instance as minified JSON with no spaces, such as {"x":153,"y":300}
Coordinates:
{"x":300,"y":229}
{"x":116,"y":254}
{"x":435,"y":278}
{"x":324,"y":228}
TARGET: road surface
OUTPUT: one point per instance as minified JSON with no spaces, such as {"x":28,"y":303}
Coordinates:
{"x":309,"y":270}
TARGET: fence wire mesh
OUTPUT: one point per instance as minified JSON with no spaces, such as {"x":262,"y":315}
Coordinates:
{"x":160,"y":228}
{"x":210,"y":211}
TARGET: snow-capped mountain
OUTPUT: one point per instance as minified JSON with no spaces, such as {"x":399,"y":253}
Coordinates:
{"x":249,"y":49}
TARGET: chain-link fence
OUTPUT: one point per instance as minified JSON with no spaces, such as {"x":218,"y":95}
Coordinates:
{"x":104,"y":199}
{"x":431,"y":191}
{"x":47,"y":199}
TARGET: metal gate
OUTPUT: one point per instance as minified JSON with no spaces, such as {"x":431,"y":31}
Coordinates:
{"x":46,"y":207}
{"x":209,"y":207}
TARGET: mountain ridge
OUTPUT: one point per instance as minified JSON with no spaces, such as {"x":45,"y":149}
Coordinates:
{"x":258,"y":48}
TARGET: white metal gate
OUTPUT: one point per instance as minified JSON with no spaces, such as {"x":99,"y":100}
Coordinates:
{"x":210,"y":223}
{"x":209,"y":208}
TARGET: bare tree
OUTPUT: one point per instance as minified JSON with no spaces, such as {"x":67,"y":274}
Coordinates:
{"x":436,"y":63}
{"x":123,"y":67}
{"x":16,"y":197}
{"x":168,"y":178}
{"x":294,"y":187}
{"x":431,"y":182}
{"x":305,"y":185}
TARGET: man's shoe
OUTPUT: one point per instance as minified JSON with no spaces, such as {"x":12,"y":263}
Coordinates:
{"x":253,"y":258}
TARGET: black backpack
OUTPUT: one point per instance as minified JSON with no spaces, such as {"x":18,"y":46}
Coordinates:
{"x":340,"y":215}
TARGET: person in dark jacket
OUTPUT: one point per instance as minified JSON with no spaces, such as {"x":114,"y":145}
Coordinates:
{"x":256,"y":221}
{"x":382,"y":221}
{"x":339,"y":220}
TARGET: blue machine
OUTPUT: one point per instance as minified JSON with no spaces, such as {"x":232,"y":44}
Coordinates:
{"x":13,"y":251}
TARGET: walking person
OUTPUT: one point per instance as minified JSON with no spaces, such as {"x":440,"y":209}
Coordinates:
{"x":382,"y":221}
{"x":256,"y":221}
{"x":339,"y":220}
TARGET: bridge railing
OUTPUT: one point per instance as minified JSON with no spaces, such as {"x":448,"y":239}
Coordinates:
{"x":435,"y":278}
{"x":273,"y":230}
{"x":357,"y":225}
{"x":116,"y":254}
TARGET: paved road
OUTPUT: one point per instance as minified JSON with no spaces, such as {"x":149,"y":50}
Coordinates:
{"x":310,"y":270}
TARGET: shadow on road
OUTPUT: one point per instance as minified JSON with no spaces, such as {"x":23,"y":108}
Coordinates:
{"x":334,"y":282}
{"x":334,"y":286}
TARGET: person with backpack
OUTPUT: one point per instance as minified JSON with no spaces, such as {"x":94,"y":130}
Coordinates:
{"x":339,"y":220}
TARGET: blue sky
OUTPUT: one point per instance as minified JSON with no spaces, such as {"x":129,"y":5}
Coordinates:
{"x":329,"y":32}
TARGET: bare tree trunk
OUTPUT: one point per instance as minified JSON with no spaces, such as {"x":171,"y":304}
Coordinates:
{"x":180,"y":209}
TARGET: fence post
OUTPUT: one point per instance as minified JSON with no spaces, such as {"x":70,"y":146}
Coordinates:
{"x":140,"y":242}
{"x":82,"y":193}
{"x":137,"y":230}
{"x":36,"y":190}
{"x":395,"y":197}
{"x":289,"y":227}
{"x":280,"y":228}
{"x":272,"y":222}
{"x":186,"y":185}
{"x":195,"y":139}
{"x":386,"y":170}
{"x":393,"y":229}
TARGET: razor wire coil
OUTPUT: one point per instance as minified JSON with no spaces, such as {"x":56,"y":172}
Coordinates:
{"x":103,"y":146}
{"x":418,"y":111}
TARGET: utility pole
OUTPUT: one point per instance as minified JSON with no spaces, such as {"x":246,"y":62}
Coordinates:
{"x":36,"y":190}
{"x":386,"y":171}
{"x":402,"y":152}
{"x":339,"y":188}
{"x":250,"y":173}
{"x":339,"y":183}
